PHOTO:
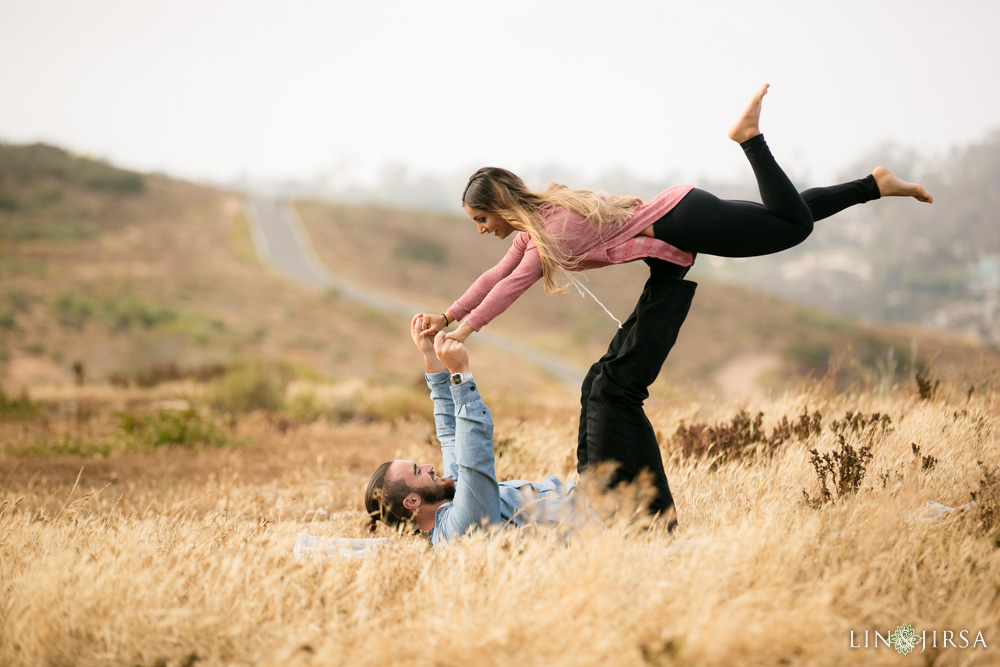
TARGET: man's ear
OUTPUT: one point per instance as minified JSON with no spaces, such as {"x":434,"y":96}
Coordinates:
{"x":412,"y":501}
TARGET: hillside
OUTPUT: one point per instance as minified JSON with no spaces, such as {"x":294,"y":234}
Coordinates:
{"x":136,"y":276}
{"x":142,"y":277}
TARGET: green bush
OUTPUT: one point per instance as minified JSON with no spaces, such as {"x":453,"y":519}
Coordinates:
{"x":808,"y":355}
{"x":20,"y":266}
{"x":252,"y":386}
{"x":65,"y":445}
{"x":304,"y":407}
{"x":7,"y":319}
{"x":117,"y":181}
{"x":186,"y":428}
{"x":19,"y":407}
{"x":128,"y":313}
{"x":72,"y":310}
{"x":46,"y":229}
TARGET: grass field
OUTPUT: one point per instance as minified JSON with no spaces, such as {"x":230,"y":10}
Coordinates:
{"x":173,"y":414}
{"x":179,"y":552}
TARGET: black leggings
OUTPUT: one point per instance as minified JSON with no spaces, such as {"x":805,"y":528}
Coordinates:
{"x":613,"y":425}
{"x":701,"y":222}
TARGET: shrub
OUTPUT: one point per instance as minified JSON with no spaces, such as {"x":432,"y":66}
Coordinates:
{"x":156,"y":374}
{"x":185,"y":428}
{"x":845,"y":467}
{"x":65,"y":445}
{"x":724,"y":441}
{"x":304,"y":408}
{"x":128,"y":313}
{"x":118,"y":182}
{"x":807,"y":354}
{"x":925,"y":387}
{"x":927,"y":463}
{"x":20,"y":407}
{"x":73,"y":311}
{"x":860,"y":425}
{"x":252,"y":386}
{"x":742,"y":436}
{"x":35,"y":348}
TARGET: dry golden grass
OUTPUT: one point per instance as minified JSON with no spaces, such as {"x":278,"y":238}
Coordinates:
{"x":177,"y":556}
{"x":118,"y":549}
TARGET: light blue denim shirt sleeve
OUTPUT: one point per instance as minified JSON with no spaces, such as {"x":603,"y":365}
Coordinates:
{"x":477,"y":494}
{"x":444,"y":420}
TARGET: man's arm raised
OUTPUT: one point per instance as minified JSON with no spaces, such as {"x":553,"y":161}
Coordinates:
{"x":477,"y":494}
{"x":436,"y":376}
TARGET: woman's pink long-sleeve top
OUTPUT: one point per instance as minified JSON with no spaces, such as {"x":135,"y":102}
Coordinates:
{"x":571,"y":236}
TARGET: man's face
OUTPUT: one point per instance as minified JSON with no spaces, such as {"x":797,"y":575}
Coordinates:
{"x":421,"y":479}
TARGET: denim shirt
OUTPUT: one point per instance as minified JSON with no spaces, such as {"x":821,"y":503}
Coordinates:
{"x":465,"y":430}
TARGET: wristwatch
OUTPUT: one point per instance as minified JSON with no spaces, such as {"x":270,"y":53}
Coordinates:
{"x":459,"y":378}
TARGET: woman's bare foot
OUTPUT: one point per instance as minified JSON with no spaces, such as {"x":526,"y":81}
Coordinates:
{"x":890,"y":186}
{"x":748,"y":126}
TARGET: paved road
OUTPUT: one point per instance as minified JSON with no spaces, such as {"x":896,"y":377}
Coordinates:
{"x":281,"y":241}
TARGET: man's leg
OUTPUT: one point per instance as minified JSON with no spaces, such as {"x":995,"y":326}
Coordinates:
{"x":582,"y":448}
{"x":613,"y":426}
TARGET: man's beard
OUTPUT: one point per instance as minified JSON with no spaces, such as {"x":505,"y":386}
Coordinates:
{"x":444,"y":490}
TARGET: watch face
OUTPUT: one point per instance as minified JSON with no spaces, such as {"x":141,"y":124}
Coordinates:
{"x":456,"y":378}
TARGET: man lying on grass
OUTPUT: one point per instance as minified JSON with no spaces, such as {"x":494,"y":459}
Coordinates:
{"x":469,"y":497}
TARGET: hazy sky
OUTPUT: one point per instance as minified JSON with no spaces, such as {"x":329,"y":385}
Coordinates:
{"x":214,"y":89}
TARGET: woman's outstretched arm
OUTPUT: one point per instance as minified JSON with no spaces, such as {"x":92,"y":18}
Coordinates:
{"x":491,"y":293}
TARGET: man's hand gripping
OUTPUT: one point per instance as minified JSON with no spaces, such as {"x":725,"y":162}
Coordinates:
{"x":452,"y":353}
{"x":424,"y":345}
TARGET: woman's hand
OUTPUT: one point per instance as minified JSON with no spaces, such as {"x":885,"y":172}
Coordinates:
{"x":432,"y":324}
{"x":461,"y":333}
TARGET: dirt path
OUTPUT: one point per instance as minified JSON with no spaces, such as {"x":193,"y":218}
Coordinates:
{"x":740,"y":377}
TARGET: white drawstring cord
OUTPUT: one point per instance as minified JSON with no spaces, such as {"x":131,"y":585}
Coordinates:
{"x":581,"y":289}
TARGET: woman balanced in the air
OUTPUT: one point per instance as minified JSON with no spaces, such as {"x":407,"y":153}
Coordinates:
{"x":561,"y":230}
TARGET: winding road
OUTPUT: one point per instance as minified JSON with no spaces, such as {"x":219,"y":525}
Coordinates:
{"x":282,"y":242}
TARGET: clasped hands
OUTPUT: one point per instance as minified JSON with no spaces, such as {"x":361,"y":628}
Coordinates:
{"x":443,"y":351}
{"x":432,"y":324}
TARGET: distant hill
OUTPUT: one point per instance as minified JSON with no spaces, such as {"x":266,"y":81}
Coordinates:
{"x":126,"y":272}
{"x":129,"y":275}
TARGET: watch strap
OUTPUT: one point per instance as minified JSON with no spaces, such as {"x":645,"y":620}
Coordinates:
{"x":460,"y":378}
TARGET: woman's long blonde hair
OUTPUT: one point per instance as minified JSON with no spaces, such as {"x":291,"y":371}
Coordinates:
{"x":503,"y":194}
